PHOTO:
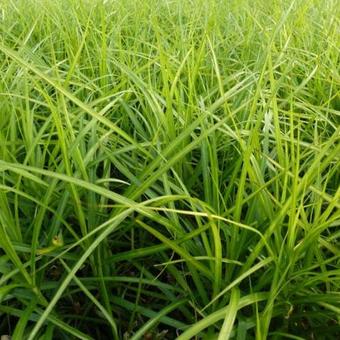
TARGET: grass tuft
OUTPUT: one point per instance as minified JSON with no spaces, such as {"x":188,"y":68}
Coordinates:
{"x":169,"y":169}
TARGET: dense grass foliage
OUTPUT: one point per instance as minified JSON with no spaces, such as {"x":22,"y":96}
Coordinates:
{"x":169,"y":169}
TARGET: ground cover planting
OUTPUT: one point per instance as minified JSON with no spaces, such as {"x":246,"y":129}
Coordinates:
{"x":169,"y":169}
